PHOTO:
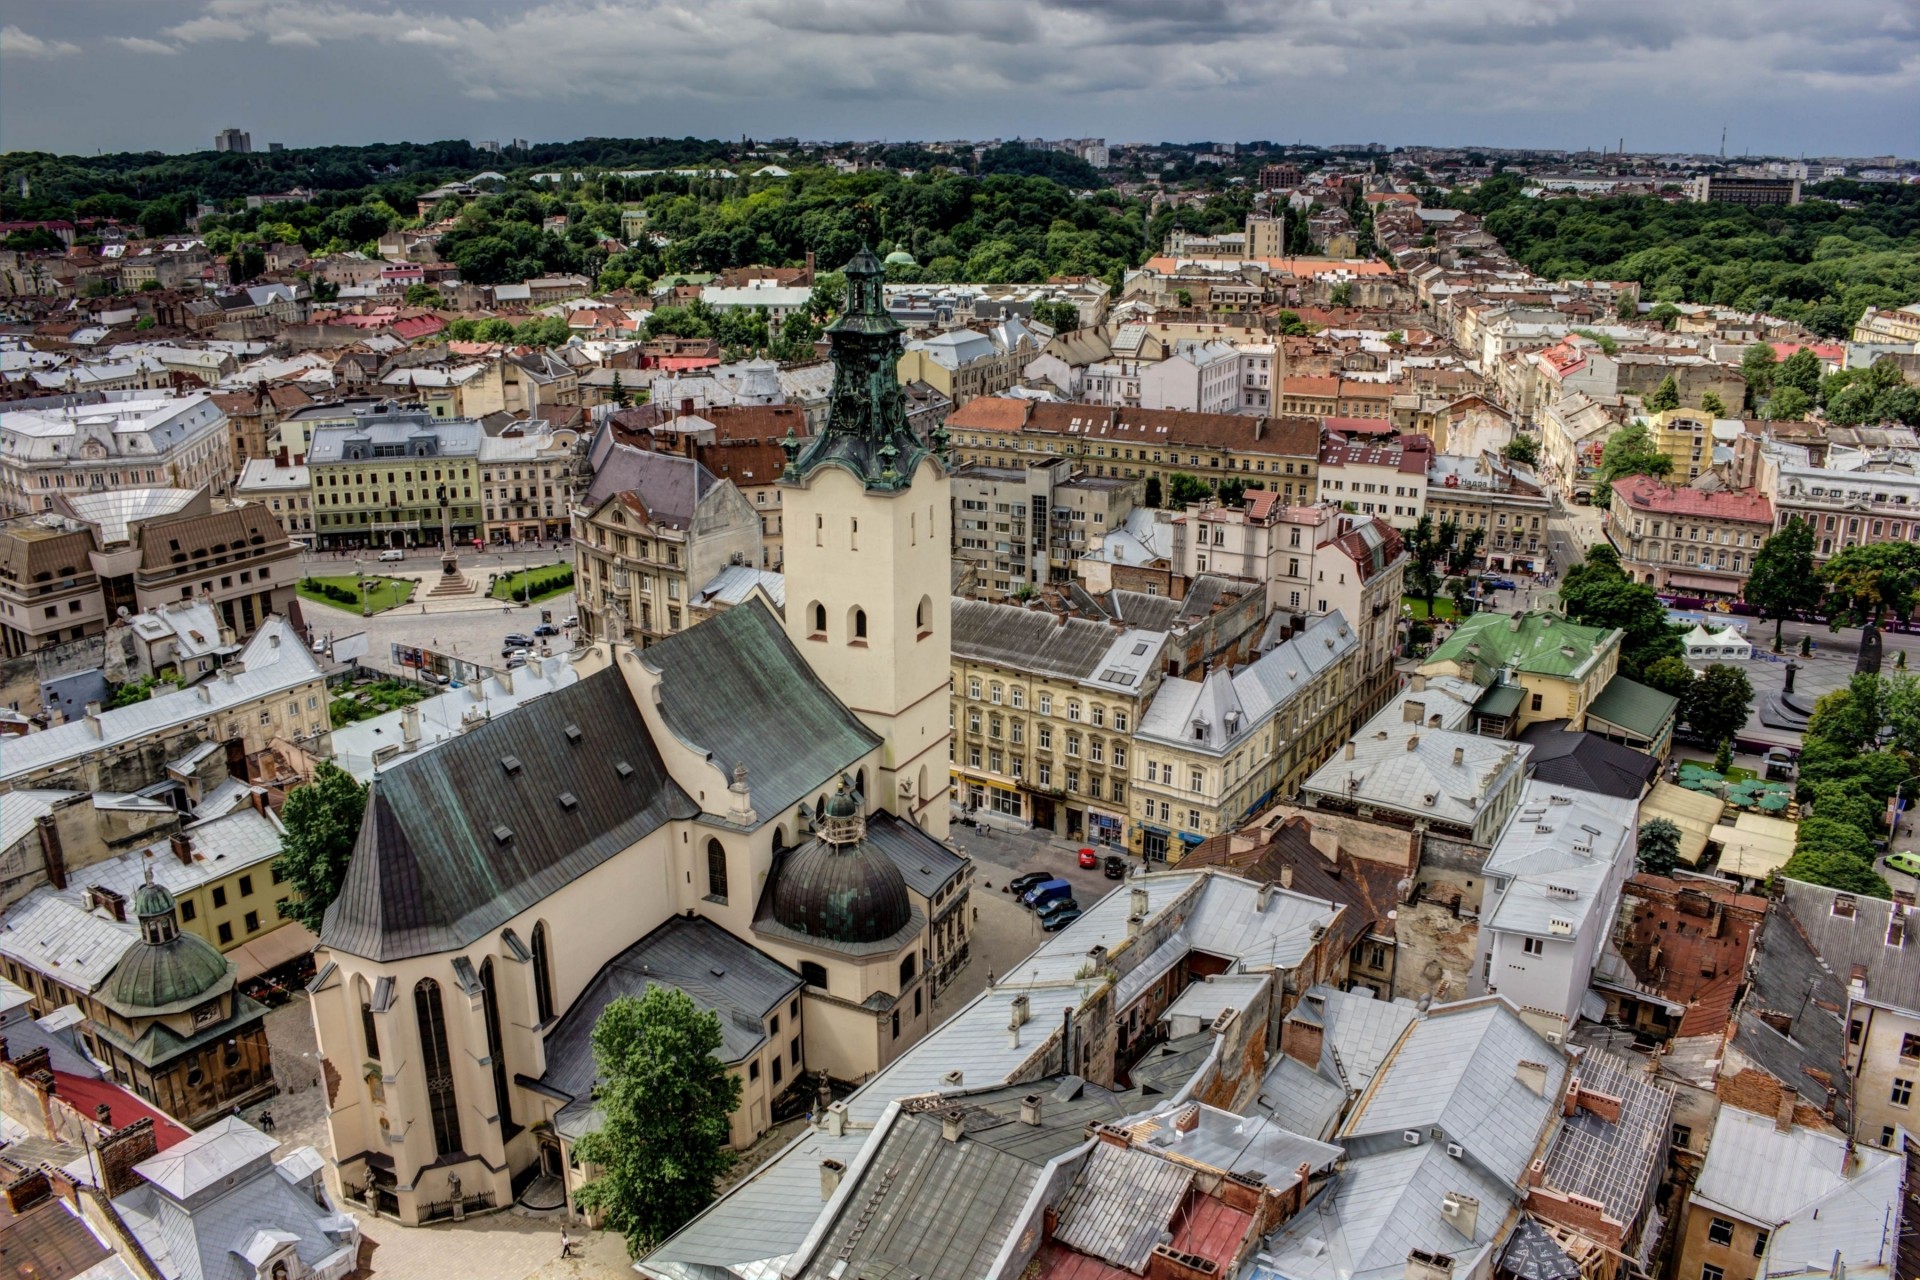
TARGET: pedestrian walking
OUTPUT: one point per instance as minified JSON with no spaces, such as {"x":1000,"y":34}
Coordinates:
{"x":566,"y":1244}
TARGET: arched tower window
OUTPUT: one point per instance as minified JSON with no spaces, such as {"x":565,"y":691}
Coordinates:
{"x":857,"y":626}
{"x":442,"y":1105}
{"x":923,"y":617}
{"x":716,"y":870}
{"x":496,"y":1050}
{"x":817,"y":614}
{"x":364,"y":998}
{"x":542,"y":974}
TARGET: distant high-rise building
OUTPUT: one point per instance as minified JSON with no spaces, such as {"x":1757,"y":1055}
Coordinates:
{"x":276,"y":146}
{"x":490,"y":146}
{"x":1279,"y":177}
{"x":1752,"y":192}
{"x":237,"y":140}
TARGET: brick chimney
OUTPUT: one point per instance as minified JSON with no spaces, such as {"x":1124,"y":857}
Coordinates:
{"x":182,"y":845}
{"x":121,"y":1150}
{"x":52,"y":852}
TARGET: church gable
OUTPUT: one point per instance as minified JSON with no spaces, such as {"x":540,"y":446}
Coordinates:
{"x":461,"y":839}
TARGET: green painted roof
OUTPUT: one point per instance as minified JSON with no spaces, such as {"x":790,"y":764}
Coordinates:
{"x":1501,"y":700}
{"x":166,"y":977}
{"x":1538,"y":643}
{"x":1634,"y":707}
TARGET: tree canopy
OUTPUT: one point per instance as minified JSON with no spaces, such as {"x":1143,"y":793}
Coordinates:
{"x":322,"y":819}
{"x":1597,"y":593}
{"x":665,"y":1104}
{"x":1630,"y":451}
{"x":1783,"y":583}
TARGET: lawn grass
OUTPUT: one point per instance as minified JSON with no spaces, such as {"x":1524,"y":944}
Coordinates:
{"x":388,"y":593}
{"x":1442,"y":607}
{"x":544,"y":583}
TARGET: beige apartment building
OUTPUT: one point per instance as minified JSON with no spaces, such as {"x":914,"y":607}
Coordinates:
{"x":1687,"y":540}
{"x":1503,"y":500}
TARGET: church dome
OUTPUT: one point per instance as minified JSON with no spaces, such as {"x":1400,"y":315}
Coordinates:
{"x":841,"y":893}
{"x":164,"y":975}
{"x":166,"y":969}
{"x":901,"y":258}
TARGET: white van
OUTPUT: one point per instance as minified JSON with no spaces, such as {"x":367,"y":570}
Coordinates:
{"x":393,"y":553}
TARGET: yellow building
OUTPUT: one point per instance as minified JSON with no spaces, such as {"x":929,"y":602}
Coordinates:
{"x":1686,"y":437}
{"x":1210,"y":752}
{"x":379,"y":480}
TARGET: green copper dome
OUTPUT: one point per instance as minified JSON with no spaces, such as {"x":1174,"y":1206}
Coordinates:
{"x":166,"y":970}
{"x":901,"y":258}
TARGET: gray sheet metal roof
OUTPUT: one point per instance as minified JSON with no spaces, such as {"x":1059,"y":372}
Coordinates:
{"x":1121,"y":1202}
{"x":1299,"y":1099}
{"x":1788,"y":977}
{"x":431,"y":871}
{"x":1360,"y":1030}
{"x":735,"y":687}
{"x":1253,"y":693}
{"x":926,"y":864}
{"x":1035,"y":640}
{"x":1456,"y":1071}
{"x":723,"y":975}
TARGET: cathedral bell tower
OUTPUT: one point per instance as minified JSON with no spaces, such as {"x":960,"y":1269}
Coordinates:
{"x":867,"y":515}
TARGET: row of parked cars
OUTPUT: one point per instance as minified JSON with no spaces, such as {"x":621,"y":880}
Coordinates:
{"x":1048,"y":897}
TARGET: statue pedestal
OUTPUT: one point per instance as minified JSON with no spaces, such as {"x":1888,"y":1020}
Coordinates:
{"x":449,"y":564}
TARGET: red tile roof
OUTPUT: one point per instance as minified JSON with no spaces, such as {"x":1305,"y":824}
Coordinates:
{"x":1644,"y":493}
{"x":1359,"y":426}
{"x":1328,"y":387}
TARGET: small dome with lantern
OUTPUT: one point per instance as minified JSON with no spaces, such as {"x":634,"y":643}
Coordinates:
{"x":838,"y":887}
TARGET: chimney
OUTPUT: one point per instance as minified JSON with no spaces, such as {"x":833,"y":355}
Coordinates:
{"x":1347,"y":751}
{"x":830,"y":1174}
{"x":1413,"y":712}
{"x":1021,"y":1013}
{"x":1534,"y":1076}
{"x":1137,"y":900}
{"x":1417,"y":683}
{"x":410,"y":727}
{"x":1097,"y":955}
{"x":1459,"y":756}
{"x":120,"y":1151}
{"x":1513,"y":622}
{"x":1133,"y":925}
{"x":1413,"y":741}
{"x":1783,"y":1111}
{"x":1286,"y":881}
{"x":94,"y":722}
{"x":953,"y":1125}
{"x":1187,"y":1119}
{"x":182,"y":845}
{"x":104,"y":1114}
{"x":1425,"y":1265}
{"x":837,"y":1120}
{"x":52,"y":852}
{"x":1030,"y":1109}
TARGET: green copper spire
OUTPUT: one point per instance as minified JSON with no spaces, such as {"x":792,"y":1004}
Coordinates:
{"x":866,"y":430}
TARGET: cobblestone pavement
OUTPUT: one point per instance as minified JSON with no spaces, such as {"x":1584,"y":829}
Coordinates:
{"x":500,"y":1246}
{"x":300,"y":1108}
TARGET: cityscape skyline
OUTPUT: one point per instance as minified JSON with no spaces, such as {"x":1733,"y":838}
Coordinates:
{"x":1566,"y":76}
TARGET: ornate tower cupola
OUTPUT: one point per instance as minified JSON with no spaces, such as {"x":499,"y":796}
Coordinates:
{"x":866,"y":430}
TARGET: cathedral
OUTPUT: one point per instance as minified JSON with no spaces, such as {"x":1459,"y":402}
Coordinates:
{"x":752,"y":811}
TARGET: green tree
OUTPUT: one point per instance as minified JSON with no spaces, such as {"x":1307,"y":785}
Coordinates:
{"x":1800,"y":370}
{"x":1757,"y":365}
{"x":665,"y":1105}
{"x":1665,"y":396}
{"x":1835,"y":871}
{"x":1061,"y":317}
{"x":1341,"y":294}
{"x":322,"y":821}
{"x":1782,"y":583}
{"x":1597,"y":593}
{"x":1713,"y":404}
{"x":1154,"y":497}
{"x":1659,"y":847}
{"x":1184,"y":298}
{"x":1845,"y":721}
{"x":424,"y":295}
{"x":1843,"y":803}
{"x":1869,"y":582}
{"x":1723,"y":756}
{"x":1523,"y":448}
{"x":1788,"y":404}
{"x":1664,"y":314}
{"x":1900,"y":710}
{"x":1183,"y":489}
{"x":1231,"y":493}
{"x":1630,"y":451}
{"x":1440,"y":552}
{"x":1671,"y":676}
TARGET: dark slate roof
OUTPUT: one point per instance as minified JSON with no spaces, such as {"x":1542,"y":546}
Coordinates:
{"x":925,"y":864}
{"x":847,"y":893}
{"x":1531,"y":1254}
{"x":723,"y":975}
{"x":668,"y":485}
{"x":736,"y":688}
{"x":1634,"y":707}
{"x":1790,"y":980}
{"x":1036,"y":640}
{"x":431,"y":872}
{"x":1587,"y":761}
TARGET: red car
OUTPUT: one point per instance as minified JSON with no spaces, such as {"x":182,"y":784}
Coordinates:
{"x":1089,"y":859}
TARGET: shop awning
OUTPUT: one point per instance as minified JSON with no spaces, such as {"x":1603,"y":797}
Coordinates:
{"x":1695,"y":813}
{"x":271,"y":950}
{"x":1704,"y":582}
{"x":1757,"y":846}
{"x":1192,"y":838}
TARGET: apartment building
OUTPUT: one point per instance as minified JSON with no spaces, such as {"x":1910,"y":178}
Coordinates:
{"x":1197,"y":377}
{"x":1212,"y":750}
{"x":964,"y":364}
{"x":1142,"y":444}
{"x":524,"y":483}
{"x":49,"y":591}
{"x":1373,"y":478}
{"x":650,"y":530}
{"x":1044,"y":709}
{"x":1573,"y":433}
{"x":1685,"y":539}
{"x":381,"y":479}
{"x":1015,"y":528}
{"x":1853,"y":498}
{"x":284,"y":489}
{"x":1502,"y":499}
{"x":129,"y":441}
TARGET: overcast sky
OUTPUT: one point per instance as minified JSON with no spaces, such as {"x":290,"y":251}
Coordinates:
{"x":1836,"y":77}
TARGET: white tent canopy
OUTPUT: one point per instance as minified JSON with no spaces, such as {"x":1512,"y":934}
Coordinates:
{"x":1725,"y":643}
